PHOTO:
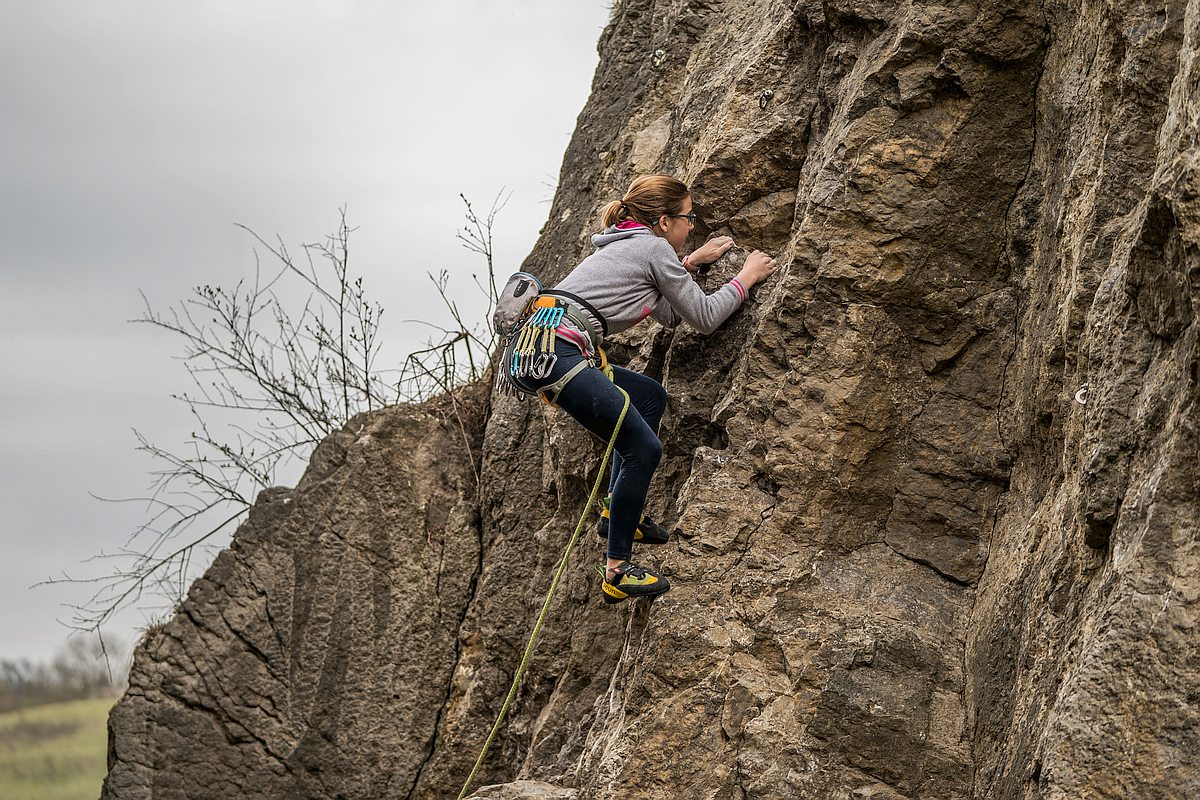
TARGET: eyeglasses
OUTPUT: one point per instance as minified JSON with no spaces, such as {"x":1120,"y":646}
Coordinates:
{"x":692,"y":217}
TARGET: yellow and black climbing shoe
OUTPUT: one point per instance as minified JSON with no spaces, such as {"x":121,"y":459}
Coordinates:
{"x":629,"y":580}
{"x":648,"y":531}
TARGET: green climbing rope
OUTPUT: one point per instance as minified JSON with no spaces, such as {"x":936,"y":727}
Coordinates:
{"x":537,"y":626}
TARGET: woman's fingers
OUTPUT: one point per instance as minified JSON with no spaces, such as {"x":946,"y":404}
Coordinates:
{"x":719,"y":245}
{"x":761,"y":264}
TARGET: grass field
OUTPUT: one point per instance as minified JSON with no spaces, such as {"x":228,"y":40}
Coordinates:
{"x":54,"y":752}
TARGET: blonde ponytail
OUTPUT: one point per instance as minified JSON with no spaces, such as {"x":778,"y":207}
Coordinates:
{"x":648,"y":198}
{"x":614,"y":212}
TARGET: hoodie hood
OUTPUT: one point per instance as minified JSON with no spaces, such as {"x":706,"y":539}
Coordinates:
{"x":615,"y":234}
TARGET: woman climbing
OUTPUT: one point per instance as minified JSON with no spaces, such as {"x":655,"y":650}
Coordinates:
{"x":634,"y":273}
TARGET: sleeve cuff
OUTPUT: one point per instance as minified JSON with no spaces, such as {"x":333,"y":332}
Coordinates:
{"x":741,"y":290}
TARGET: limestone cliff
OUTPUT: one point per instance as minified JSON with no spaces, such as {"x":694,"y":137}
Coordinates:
{"x":937,"y":484}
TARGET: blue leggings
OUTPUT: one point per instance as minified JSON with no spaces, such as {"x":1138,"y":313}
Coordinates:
{"x":594,"y":402}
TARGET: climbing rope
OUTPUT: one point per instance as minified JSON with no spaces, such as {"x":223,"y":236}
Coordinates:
{"x":537,"y":626}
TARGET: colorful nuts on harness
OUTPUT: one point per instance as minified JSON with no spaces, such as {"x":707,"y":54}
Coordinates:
{"x":532,"y":350}
{"x":529,"y":348}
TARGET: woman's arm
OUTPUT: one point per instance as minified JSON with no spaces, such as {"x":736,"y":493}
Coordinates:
{"x":704,"y":312}
{"x":707,"y":253}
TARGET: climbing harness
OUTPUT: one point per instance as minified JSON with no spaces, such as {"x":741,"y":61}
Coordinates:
{"x":558,"y":573}
{"x":528,"y":350}
{"x":549,"y":394}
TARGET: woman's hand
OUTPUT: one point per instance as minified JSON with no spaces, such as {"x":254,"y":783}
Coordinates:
{"x":758,"y":267}
{"x":709,"y":252}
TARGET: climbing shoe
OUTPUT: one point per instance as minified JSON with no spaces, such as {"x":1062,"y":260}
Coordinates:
{"x":629,"y":580}
{"x":648,"y":531}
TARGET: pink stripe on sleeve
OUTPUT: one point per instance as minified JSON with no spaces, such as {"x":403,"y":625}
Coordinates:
{"x":741,"y":290}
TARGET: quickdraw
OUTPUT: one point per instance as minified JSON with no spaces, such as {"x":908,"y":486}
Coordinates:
{"x":534,"y":356}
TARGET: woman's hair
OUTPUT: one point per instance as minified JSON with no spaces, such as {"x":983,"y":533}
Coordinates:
{"x":648,"y":198}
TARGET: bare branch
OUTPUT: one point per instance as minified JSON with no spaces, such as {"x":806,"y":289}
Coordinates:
{"x":269,"y":382}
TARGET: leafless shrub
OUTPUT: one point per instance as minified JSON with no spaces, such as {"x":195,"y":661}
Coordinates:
{"x":269,"y":382}
{"x":460,"y":354}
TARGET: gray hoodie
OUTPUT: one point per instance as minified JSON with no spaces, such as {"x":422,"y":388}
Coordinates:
{"x":635,"y":274}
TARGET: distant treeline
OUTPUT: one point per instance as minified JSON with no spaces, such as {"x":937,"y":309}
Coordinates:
{"x":79,"y":670}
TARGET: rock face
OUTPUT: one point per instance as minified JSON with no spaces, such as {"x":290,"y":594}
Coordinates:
{"x":937,"y":483}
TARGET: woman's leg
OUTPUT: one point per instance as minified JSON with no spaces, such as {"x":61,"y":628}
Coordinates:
{"x":648,"y":397}
{"x":596,"y":403}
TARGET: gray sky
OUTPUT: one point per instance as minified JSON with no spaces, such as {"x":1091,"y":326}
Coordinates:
{"x":133,"y":135}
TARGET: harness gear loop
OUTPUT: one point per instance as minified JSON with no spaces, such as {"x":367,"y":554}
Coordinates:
{"x":558,"y":573}
{"x":604,"y":366}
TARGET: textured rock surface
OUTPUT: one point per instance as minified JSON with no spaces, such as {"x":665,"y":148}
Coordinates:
{"x":911,"y":564}
{"x":302,"y":665}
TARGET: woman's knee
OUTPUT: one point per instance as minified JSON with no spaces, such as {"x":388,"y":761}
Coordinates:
{"x":660,"y":397}
{"x":652,"y":399}
{"x":654,"y":452}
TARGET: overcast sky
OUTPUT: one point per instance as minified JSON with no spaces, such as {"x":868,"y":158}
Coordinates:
{"x":134,"y":135}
